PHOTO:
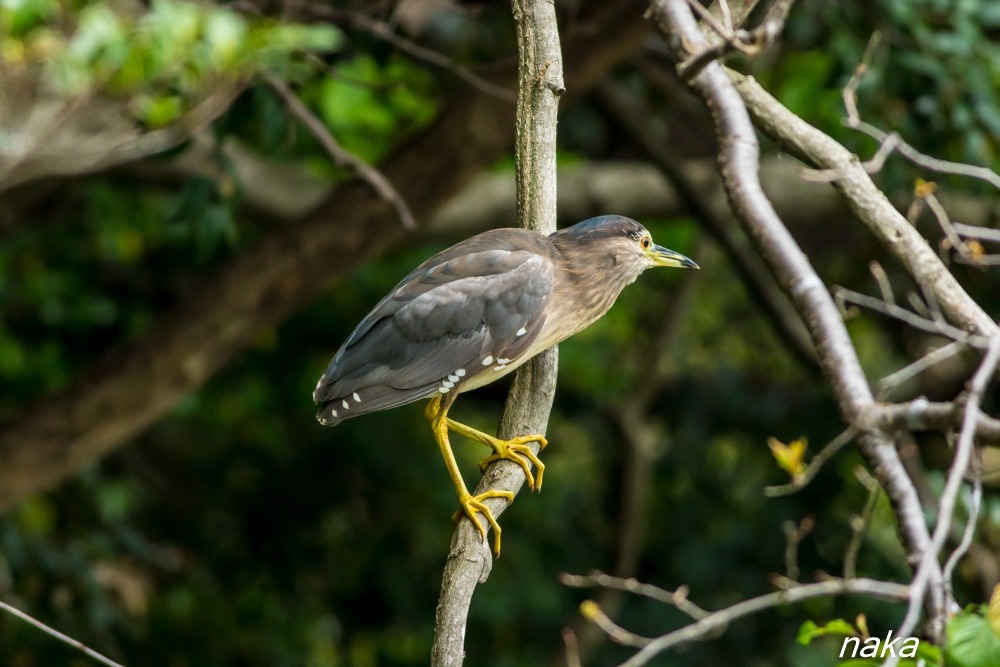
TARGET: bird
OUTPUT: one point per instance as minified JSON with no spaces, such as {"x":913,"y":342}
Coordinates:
{"x":475,"y":312}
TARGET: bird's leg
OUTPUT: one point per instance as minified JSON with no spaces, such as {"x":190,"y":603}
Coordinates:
{"x":515,"y":449}
{"x":437,"y":414}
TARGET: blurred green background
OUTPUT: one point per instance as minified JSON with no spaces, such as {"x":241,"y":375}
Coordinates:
{"x":237,"y":531}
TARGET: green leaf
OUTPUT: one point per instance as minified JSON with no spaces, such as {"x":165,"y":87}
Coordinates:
{"x":838,"y":626}
{"x":971,"y":642}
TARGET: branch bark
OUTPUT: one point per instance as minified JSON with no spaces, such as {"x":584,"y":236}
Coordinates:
{"x":540,"y":84}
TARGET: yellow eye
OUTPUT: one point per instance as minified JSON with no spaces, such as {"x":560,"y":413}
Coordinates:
{"x":646,"y":242}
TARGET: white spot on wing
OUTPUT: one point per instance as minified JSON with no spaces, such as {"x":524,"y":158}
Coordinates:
{"x":333,"y":412}
{"x":503,"y":361}
{"x":443,"y":390}
{"x":500,"y":367}
{"x":447,"y":385}
{"x":487,"y":360}
{"x":452,"y":378}
{"x":460,"y":372}
{"x":356,"y":397}
{"x":344,"y":403}
{"x":521,"y":331}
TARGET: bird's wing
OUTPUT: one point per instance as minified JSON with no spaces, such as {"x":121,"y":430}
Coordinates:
{"x":447,"y":322}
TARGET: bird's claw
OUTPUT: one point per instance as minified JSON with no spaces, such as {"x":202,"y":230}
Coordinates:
{"x":472,"y":505}
{"x":518,"y":451}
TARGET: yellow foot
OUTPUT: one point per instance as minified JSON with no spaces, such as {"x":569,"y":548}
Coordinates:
{"x":518,"y":451}
{"x":471,"y":505}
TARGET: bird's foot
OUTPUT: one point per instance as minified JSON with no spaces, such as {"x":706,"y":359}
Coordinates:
{"x":518,"y":451}
{"x":472,"y":505}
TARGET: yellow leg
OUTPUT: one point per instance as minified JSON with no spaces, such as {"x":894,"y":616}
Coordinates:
{"x":515,"y":449}
{"x":471,"y":505}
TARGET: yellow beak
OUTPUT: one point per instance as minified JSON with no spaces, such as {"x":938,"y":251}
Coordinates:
{"x":666,"y":257}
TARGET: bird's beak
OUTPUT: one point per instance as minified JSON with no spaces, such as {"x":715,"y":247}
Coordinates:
{"x":661,"y":256}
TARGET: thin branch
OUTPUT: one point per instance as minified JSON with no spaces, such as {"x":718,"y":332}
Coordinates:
{"x":794,"y":534}
{"x":923,"y":415}
{"x":540,"y":84}
{"x":677,"y":598}
{"x":58,"y":635}
{"x":719,"y":620}
{"x":592,"y":611}
{"x":860,"y":523}
{"x":802,"y":479}
{"x":908,"y":372}
{"x":946,"y":506}
{"x":975,"y":504}
{"x":386,"y":32}
{"x":941,"y":328}
{"x":341,"y":157}
{"x":572,"y":648}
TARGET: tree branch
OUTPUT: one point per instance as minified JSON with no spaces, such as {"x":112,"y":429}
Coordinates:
{"x":739,"y":164}
{"x":540,"y":84}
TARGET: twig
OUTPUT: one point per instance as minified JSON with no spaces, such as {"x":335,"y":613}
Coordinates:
{"x":860,"y":523}
{"x":677,"y":598}
{"x":572,"y":648}
{"x":981,"y":233}
{"x":58,"y":635}
{"x":975,"y":504}
{"x":911,"y":370}
{"x":946,"y":506}
{"x":942,"y":328}
{"x":802,"y":479}
{"x":592,"y":611}
{"x":794,"y":534}
{"x":923,"y":415}
{"x":341,"y":157}
{"x":386,"y":32}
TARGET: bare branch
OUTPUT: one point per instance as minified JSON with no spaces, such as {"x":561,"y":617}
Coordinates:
{"x":946,"y":505}
{"x":923,"y":415}
{"x":860,"y":523}
{"x":717,"y":621}
{"x":677,"y":598}
{"x":809,"y":472}
{"x":386,"y":32}
{"x":869,"y":203}
{"x":540,"y":84}
{"x":58,"y":635}
{"x":739,"y":164}
{"x":341,"y":157}
{"x":975,"y":503}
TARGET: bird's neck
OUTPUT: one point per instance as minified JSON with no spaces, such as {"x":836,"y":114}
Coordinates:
{"x":592,"y":285}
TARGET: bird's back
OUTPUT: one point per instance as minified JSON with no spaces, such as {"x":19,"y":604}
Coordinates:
{"x":471,"y":309}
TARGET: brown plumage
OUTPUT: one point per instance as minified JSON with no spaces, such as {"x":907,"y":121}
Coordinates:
{"x":475,"y":312}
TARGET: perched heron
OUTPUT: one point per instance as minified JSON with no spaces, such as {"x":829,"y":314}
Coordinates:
{"x":475,"y":312}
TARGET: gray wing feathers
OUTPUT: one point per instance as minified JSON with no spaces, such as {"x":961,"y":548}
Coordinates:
{"x":443,"y":317}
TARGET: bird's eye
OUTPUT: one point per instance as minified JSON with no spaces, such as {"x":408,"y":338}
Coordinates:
{"x":646,"y":242}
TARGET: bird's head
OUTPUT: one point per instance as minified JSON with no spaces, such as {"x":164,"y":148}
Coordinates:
{"x":619,"y":247}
